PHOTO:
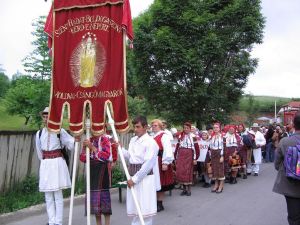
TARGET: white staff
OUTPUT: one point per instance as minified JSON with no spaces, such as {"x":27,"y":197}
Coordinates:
{"x":73,"y":182}
{"x":88,"y":182}
{"x":112,"y":125}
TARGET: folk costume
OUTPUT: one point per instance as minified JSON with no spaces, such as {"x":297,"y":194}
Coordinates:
{"x":165,"y":157}
{"x":257,"y":155}
{"x":217,"y":151}
{"x":144,"y":172}
{"x":169,"y":133}
{"x":185,"y":154}
{"x":99,"y":173}
{"x":243,"y":152}
{"x":231,"y":158}
{"x":53,"y":173}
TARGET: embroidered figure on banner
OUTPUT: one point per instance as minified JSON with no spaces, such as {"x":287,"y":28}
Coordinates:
{"x":88,"y":62}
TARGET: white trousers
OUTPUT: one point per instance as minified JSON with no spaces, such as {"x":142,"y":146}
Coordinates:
{"x":252,"y":167}
{"x":136,"y":220}
{"x":55,"y":207}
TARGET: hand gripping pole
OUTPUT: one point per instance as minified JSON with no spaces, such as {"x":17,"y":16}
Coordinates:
{"x":112,"y":125}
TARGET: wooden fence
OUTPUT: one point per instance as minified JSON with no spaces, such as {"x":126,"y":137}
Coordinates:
{"x":18,"y":158}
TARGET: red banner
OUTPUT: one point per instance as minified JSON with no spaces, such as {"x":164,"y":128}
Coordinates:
{"x":88,"y":62}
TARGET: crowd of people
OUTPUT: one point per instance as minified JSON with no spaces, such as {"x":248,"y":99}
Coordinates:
{"x":158,"y":160}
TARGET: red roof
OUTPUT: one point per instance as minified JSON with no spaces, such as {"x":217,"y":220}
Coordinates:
{"x":292,"y":105}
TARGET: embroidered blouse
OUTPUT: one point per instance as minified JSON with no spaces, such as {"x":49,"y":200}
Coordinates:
{"x":216,"y":143}
{"x":103,"y":147}
{"x":231,"y":140}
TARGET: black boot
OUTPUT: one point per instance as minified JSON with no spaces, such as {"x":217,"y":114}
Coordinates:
{"x":234,"y":181}
{"x":231,"y":180}
{"x":227,"y":179}
{"x":160,"y":206}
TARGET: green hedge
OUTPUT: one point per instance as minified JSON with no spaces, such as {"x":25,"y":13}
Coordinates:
{"x":27,"y":194}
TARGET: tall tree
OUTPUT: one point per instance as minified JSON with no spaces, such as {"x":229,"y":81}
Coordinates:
{"x":27,"y":97}
{"x":29,"y":94}
{"x":38,"y":62}
{"x":4,"y":82}
{"x":193,"y":58}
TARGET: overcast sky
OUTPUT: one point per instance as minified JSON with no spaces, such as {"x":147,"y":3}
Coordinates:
{"x":278,"y":72}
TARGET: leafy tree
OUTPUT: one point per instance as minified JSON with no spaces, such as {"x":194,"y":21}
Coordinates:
{"x":4,"y":84}
{"x":27,"y":97}
{"x":38,"y":63}
{"x":132,"y":80}
{"x":192,"y":58}
{"x":137,"y":106}
{"x":29,"y":94}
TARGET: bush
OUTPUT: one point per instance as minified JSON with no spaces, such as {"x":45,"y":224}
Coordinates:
{"x":23,"y":195}
{"x":29,"y":185}
{"x":27,"y":194}
{"x":117,"y":175}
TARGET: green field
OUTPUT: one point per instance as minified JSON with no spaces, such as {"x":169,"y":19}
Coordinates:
{"x":12,"y":123}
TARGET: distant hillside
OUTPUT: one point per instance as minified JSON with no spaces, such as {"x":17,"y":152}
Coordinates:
{"x":265,"y":104}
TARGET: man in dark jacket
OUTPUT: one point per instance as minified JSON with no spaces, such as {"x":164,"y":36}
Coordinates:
{"x":288,"y":187}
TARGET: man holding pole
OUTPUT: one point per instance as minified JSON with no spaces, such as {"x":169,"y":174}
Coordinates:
{"x":54,"y":174}
{"x":143,"y":169}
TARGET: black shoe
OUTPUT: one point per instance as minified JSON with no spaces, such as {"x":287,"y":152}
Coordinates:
{"x":206,"y":185}
{"x":255,"y":174}
{"x":159,"y":206}
{"x":184,"y":192}
{"x":244,"y":176}
{"x":234,"y":181}
{"x":231,"y":179}
{"x":219,"y":191}
{"x":248,"y":174}
{"x":214,"y":190}
{"x":188,"y":193}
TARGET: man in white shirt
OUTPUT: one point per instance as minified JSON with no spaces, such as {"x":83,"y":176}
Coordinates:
{"x":143,"y":169}
{"x":53,"y":174}
{"x":257,"y":155}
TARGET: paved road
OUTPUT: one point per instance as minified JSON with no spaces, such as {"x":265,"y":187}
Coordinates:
{"x":250,"y":202}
